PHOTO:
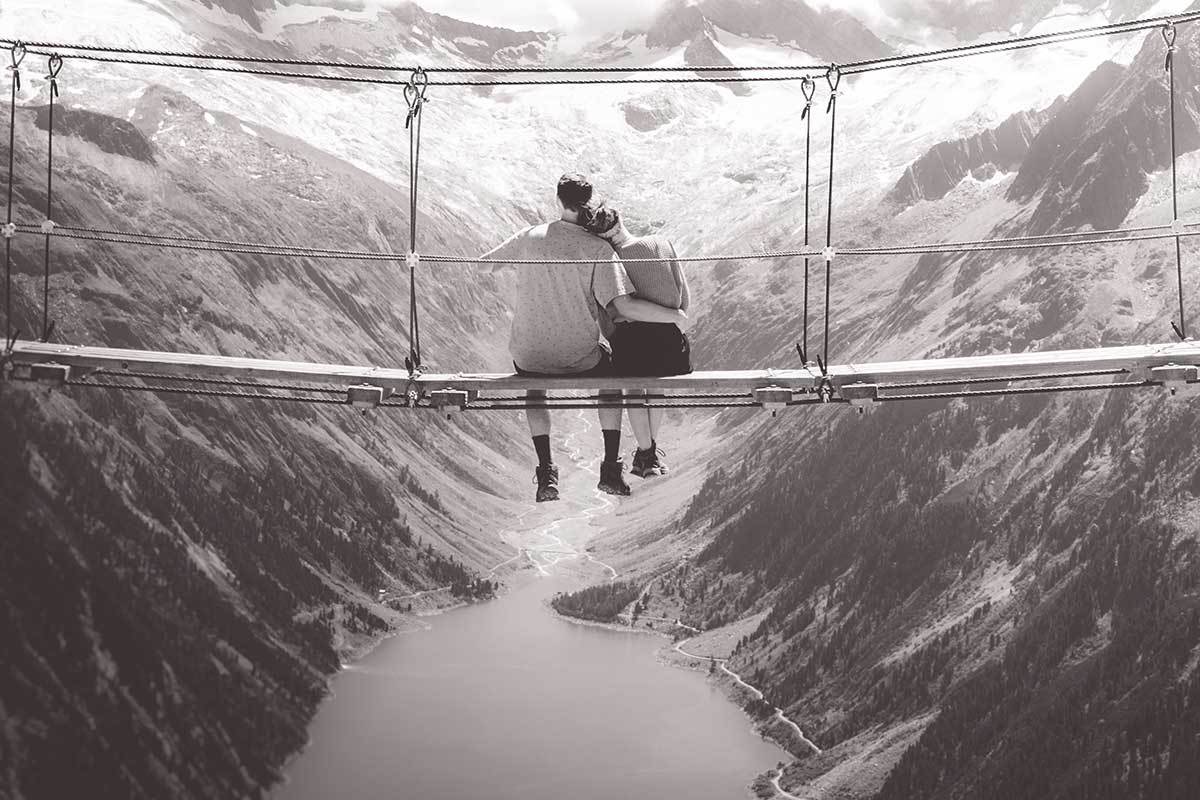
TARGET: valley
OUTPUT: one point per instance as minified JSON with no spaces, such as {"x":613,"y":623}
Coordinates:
{"x":984,"y":598}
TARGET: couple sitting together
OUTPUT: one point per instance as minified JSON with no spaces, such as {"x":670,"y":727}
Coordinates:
{"x":596,"y":318}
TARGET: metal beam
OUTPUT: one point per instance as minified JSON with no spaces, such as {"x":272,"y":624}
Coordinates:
{"x":1137,"y":362}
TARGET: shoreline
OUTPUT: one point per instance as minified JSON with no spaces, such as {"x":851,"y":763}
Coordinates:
{"x":763,"y":728}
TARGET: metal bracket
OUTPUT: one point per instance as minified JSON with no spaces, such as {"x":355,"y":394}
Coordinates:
{"x":773,"y":398}
{"x":450,"y":400}
{"x":364,"y":396}
{"x":1177,"y":379}
{"x":859,"y":394}
{"x":49,"y":374}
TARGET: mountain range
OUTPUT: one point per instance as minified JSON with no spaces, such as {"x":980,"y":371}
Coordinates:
{"x":993,"y":598}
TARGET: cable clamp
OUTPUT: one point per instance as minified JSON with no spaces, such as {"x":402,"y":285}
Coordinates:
{"x":48,"y":227}
{"x":828,"y":253}
{"x":9,"y":230}
{"x":833,"y":76}
{"x":1178,"y":227}
{"x":809,"y":88}
{"x":55,"y":66}
{"x":18,"y":55}
{"x":414,"y":93}
{"x":413,"y":260}
{"x":1169,"y":33}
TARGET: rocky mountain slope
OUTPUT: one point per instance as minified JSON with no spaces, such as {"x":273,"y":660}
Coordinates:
{"x":181,"y":574}
{"x":982,"y":155}
{"x":994,"y":598}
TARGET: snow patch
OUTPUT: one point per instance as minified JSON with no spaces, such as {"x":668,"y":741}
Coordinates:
{"x":209,"y":118}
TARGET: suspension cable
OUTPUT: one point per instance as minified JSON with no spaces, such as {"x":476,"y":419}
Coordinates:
{"x":834,"y":77}
{"x":1169,"y":33}
{"x":809,"y":88}
{"x":54,"y":65}
{"x":414,"y":95}
{"x":227,"y":246}
{"x":120,"y":55}
{"x":17,"y":54}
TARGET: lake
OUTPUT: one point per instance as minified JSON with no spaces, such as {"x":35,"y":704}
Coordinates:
{"x":503,"y":700}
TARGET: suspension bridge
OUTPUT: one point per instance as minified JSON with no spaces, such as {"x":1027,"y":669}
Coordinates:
{"x":816,"y":380}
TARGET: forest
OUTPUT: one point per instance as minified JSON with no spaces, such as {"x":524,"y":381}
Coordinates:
{"x":600,"y":603}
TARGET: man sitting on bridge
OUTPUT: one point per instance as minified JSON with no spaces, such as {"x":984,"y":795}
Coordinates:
{"x":556,"y":322}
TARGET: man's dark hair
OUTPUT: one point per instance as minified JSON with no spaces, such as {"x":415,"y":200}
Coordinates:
{"x":574,"y":191}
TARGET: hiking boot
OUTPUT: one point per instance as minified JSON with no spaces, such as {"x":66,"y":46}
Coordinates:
{"x":648,"y":463}
{"x":640,"y":459}
{"x":656,"y":462}
{"x":547,"y":483}
{"x":612,"y":479}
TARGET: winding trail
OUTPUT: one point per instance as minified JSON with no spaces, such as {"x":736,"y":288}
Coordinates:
{"x":779,"y":790}
{"x":723,"y":663}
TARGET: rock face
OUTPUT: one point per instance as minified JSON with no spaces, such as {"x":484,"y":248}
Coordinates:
{"x":246,"y":9}
{"x":703,"y":52}
{"x":679,"y":23}
{"x":650,"y":112}
{"x":111,"y":135}
{"x":828,"y":34}
{"x":482,"y":43}
{"x":1090,"y":163}
{"x":1001,"y":148}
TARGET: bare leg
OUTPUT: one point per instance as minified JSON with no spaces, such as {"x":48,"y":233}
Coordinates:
{"x":610,"y":416}
{"x":640,"y":419}
{"x":655,"y":420}
{"x":538,"y":418}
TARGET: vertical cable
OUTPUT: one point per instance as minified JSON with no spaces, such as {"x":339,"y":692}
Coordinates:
{"x":834,"y":77}
{"x":809,"y":87}
{"x":1169,"y":34}
{"x":55,"y":66}
{"x":414,"y":95}
{"x":18,"y":55}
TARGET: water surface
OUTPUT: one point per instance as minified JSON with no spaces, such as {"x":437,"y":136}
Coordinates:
{"x":503,"y":700}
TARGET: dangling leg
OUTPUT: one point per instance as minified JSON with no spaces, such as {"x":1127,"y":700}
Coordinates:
{"x":656,"y":464}
{"x":539,"y":429}
{"x":639,"y":420}
{"x":611,"y":478}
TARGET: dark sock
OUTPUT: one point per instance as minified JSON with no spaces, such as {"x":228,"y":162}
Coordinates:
{"x":612,"y":445}
{"x":542,"y":445}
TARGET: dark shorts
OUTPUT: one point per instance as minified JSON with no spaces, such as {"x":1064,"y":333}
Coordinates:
{"x":602,"y":370}
{"x":645,"y":349}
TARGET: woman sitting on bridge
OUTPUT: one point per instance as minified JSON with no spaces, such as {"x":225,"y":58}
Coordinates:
{"x":643,"y":349}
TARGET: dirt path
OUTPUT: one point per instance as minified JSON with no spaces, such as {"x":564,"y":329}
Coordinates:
{"x":723,"y":664}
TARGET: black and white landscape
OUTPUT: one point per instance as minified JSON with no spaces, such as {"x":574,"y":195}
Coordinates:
{"x":980,"y":598}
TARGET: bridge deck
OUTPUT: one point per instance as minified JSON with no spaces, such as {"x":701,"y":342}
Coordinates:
{"x":1135,"y":361}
